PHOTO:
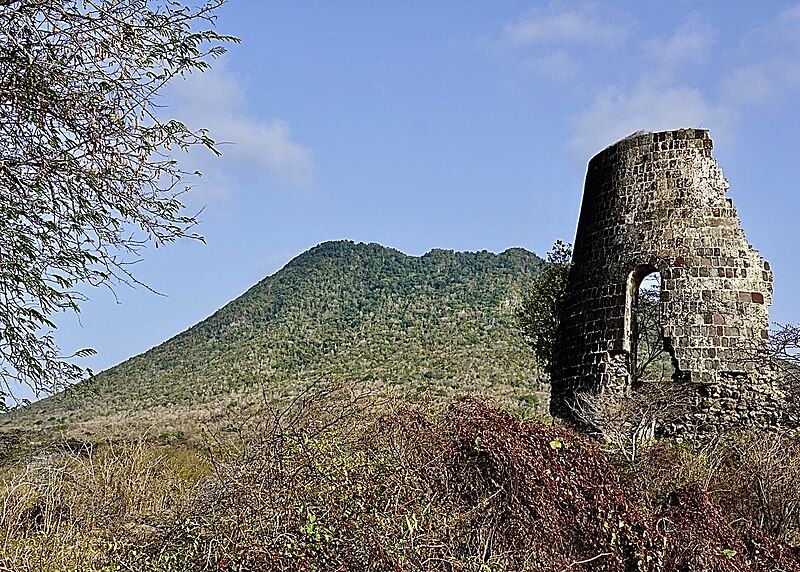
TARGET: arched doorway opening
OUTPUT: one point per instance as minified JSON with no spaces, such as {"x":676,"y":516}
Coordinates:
{"x":650,"y":360}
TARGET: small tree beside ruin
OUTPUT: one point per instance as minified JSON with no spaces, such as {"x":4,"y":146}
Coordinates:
{"x":538,"y":314}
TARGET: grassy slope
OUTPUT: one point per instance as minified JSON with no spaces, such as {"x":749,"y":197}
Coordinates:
{"x":439,"y":325}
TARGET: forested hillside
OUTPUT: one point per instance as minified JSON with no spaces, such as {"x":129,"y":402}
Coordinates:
{"x":436,"y":326}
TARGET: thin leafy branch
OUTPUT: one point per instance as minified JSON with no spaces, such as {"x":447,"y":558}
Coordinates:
{"x":88,"y":174}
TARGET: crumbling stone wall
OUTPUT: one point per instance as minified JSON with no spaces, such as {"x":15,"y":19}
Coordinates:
{"x":656,"y":202}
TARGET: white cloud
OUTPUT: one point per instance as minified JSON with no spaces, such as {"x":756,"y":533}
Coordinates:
{"x":651,"y":106}
{"x":749,"y":84}
{"x":656,"y":97}
{"x":772,"y":70}
{"x":262,"y":147}
{"x":558,"y":26}
{"x":689,"y":45}
{"x":250,"y":146}
{"x":553,"y":42}
{"x":654,"y":83}
{"x":558,"y":65}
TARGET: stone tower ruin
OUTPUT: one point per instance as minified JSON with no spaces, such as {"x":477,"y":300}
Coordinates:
{"x":656,"y":202}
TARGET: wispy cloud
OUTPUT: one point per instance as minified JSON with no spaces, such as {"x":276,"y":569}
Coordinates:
{"x":647,"y":83}
{"x":689,"y":45}
{"x":556,"y":64}
{"x":656,"y":96}
{"x":559,"y":25}
{"x":651,"y":105}
{"x":251,"y":147}
{"x":771,"y":68}
{"x":263,"y":148}
{"x":551,"y":41}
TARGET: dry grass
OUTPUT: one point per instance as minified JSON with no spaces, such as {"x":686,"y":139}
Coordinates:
{"x":336,"y":482}
{"x":467,"y":488}
{"x":65,"y":508}
{"x":754,"y":477}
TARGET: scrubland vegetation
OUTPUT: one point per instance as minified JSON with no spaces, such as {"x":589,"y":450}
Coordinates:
{"x":336,"y":481}
{"x":435,"y":326}
{"x":349,"y":475}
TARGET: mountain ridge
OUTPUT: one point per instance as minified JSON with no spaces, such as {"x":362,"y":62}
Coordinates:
{"x":342,"y":311}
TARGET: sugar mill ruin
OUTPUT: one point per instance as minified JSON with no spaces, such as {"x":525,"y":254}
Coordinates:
{"x":657,"y":203}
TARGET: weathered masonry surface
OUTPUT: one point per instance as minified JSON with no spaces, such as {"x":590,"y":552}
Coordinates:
{"x":656,"y":202}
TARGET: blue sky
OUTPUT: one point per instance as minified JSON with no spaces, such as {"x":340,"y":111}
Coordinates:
{"x":459,"y":125}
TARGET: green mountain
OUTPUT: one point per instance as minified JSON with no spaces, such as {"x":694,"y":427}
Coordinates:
{"x":433,"y":326}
